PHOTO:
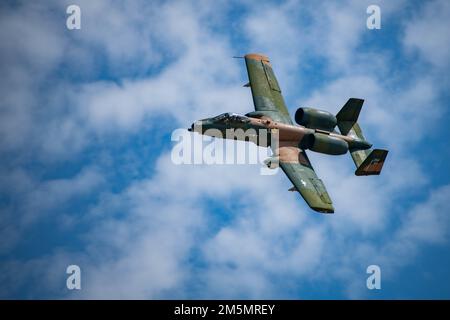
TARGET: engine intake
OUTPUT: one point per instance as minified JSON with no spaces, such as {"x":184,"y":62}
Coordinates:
{"x":324,"y":143}
{"x":315,"y":119}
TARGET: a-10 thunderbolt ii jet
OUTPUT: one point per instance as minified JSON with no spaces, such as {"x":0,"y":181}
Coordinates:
{"x":315,"y":131}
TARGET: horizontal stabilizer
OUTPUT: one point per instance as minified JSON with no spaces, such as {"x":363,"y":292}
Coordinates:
{"x":373,"y":164}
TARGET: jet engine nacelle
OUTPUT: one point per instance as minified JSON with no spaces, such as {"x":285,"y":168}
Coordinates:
{"x":323,"y":143}
{"x":315,"y":119}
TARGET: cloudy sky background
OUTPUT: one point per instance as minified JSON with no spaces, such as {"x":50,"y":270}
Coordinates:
{"x":86,"y":176}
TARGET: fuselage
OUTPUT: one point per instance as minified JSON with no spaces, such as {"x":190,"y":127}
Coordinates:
{"x":262,"y":130}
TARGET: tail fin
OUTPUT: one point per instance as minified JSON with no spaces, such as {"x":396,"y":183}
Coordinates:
{"x":368,"y":161}
{"x":349,"y":114}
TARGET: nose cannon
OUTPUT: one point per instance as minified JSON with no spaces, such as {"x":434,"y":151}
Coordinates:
{"x":197,"y":124}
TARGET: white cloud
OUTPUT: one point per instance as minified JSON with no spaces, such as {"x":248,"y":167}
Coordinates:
{"x":156,"y":226}
{"x":147,"y":234}
{"x":33,"y":200}
{"x":67,"y":117}
{"x":425,"y":224}
{"x":428,"y":222}
{"x":426,"y":31}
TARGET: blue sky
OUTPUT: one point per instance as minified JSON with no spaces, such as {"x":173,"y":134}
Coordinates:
{"x":86,"y":176}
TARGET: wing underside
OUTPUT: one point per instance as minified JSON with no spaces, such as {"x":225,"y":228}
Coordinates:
{"x":266,"y":91}
{"x":296,"y":166}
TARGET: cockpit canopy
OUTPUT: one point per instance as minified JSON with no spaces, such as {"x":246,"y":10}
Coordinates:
{"x":230,"y":118}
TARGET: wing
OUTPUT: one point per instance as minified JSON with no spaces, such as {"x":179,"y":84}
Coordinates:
{"x":296,"y":166}
{"x":266,"y":92}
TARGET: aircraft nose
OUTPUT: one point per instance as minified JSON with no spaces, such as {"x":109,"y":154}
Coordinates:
{"x":196,"y":125}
